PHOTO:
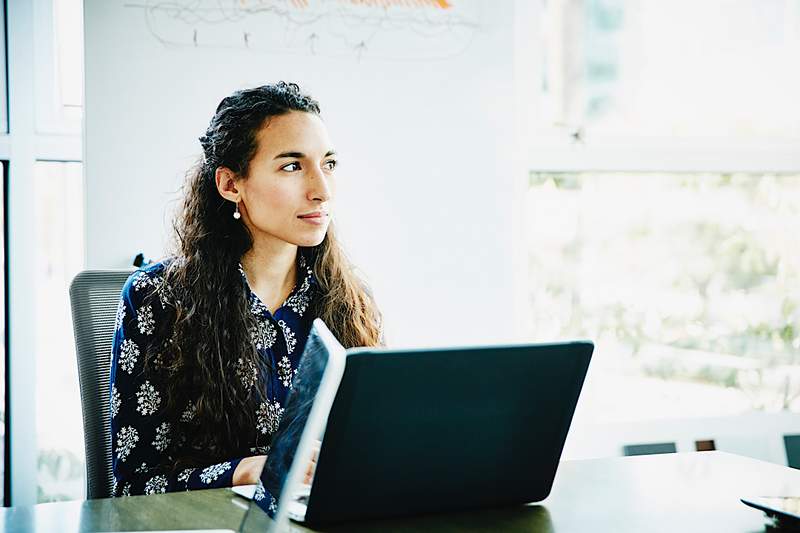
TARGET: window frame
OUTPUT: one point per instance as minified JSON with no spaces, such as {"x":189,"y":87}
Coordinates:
{"x":24,"y":144}
{"x":637,"y":155}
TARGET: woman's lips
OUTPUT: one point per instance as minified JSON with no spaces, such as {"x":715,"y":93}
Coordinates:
{"x":316,"y":218}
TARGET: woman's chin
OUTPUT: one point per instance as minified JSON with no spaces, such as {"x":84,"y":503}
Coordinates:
{"x":310,"y":240}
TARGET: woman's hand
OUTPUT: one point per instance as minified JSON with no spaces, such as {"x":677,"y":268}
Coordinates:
{"x":312,"y":465}
{"x":248,"y":471}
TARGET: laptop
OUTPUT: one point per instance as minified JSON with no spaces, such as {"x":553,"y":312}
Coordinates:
{"x":404,"y":432}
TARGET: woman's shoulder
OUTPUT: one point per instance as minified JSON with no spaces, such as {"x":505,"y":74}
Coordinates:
{"x":146,"y":282}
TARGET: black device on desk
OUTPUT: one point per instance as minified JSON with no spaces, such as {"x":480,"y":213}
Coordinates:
{"x":784,"y":510}
{"x":427,"y":430}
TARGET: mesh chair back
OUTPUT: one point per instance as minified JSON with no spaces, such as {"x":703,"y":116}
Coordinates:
{"x":94,"y":295}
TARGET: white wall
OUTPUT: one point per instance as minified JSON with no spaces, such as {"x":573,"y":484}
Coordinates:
{"x":424,"y":124}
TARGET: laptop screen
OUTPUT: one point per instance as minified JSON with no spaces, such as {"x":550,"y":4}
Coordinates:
{"x":300,"y":430}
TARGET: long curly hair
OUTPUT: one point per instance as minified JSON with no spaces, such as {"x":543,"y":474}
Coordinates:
{"x":208,"y":334}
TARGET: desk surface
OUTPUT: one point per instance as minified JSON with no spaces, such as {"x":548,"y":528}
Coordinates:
{"x":673,"y":492}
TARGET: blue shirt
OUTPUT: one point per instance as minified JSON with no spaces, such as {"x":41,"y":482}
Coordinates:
{"x":141,"y":430}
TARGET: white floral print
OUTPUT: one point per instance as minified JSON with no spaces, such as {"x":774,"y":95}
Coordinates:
{"x":162,"y":439}
{"x":126,"y":489}
{"x":257,"y":307}
{"x":144,"y":279}
{"x":148,"y":398}
{"x":273,"y":505}
{"x":259,"y":494}
{"x":213,"y":472}
{"x":189,"y":413}
{"x":260,"y":450}
{"x":167,"y":296}
{"x":127,"y":438}
{"x":246,"y":372}
{"x":184,"y":476}
{"x":263,"y":333}
{"x":128,"y":355}
{"x":145,"y":321}
{"x":304,"y":266}
{"x":298,"y":302}
{"x":141,"y":281}
{"x":285,"y":371}
{"x":156,"y":485}
{"x":288,"y":334}
{"x":116,"y":401}
{"x":268,"y":417}
{"x":120,"y":314}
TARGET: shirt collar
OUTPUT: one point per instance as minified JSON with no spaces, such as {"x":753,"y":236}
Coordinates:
{"x":305,"y":275}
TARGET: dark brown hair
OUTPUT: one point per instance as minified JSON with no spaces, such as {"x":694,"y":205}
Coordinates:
{"x":208,"y":336}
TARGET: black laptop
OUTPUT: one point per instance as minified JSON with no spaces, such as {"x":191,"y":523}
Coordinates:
{"x":403,"y":432}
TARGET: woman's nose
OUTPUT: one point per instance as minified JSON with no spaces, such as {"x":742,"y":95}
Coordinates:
{"x":319,"y":188}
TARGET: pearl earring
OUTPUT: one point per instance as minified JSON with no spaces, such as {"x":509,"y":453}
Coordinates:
{"x":236,"y":214}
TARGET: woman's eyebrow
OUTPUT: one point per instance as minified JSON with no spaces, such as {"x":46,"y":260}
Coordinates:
{"x":300,"y":155}
{"x":293,"y":155}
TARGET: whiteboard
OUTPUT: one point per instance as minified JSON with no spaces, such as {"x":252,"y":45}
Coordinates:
{"x":418,"y":96}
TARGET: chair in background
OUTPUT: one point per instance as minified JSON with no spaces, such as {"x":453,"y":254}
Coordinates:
{"x":791,"y":444}
{"x":708,"y":445}
{"x":94,"y":295}
{"x":649,"y":449}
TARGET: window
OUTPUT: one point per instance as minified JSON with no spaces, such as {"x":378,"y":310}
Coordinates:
{"x":678,"y":70}
{"x":689,"y":284}
{"x":59,"y":66}
{"x":58,"y":248}
{"x":665,"y":158}
{"x":58,"y":204}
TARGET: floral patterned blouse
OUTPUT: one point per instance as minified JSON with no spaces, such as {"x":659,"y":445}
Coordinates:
{"x":141,"y":431}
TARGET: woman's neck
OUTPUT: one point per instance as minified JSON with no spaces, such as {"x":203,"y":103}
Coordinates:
{"x":270,"y":269}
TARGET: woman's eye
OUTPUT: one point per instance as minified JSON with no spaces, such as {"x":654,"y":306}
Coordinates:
{"x":291,"y":167}
{"x":330,"y":165}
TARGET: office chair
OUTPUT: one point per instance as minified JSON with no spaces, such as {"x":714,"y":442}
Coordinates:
{"x":94,"y":295}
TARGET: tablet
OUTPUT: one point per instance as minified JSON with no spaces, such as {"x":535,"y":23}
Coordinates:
{"x":303,"y":422}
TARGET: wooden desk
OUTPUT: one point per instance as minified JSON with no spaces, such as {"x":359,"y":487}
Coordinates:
{"x":675,"y":493}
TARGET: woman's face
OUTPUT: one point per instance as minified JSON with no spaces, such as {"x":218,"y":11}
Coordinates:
{"x":291,"y":175}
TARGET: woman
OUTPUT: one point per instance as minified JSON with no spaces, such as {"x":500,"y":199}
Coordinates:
{"x":207,"y":342}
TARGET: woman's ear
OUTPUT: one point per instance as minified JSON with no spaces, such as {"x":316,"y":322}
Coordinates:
{"x":226,"y":184}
